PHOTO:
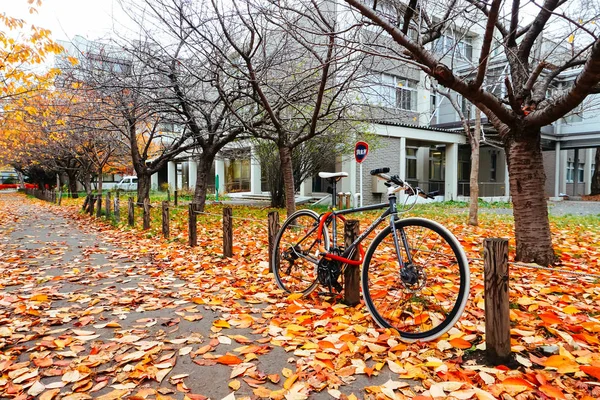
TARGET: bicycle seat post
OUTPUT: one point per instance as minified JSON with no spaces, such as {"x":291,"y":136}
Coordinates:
{"x":334,"y":193}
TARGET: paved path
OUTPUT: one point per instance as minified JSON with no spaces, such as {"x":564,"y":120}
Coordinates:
{"x":82,"y":316}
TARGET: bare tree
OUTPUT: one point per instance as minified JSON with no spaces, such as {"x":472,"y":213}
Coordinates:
{"x":199,"y":89}
{"x":129,"y":96}
{"x":297,"y":74}
{"x":533,"y":62}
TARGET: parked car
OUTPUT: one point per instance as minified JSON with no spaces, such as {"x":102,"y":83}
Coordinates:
{"x":128,"y":184}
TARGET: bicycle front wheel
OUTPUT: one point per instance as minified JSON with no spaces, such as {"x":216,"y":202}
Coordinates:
{"x":423,"y":299}
{"x":296,"y":253}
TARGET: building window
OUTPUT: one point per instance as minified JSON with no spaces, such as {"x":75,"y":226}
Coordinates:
{"x":580,"y":172}
{"x":397,"y":92}
{"x":570,"y":171}
{"x":464,"y":165}
{"x":436,"y":164}
{"x":493,"y":166}
{"x":411,"y":163}
{"x":447,"y":44}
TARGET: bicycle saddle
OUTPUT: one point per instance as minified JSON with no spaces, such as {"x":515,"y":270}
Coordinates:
{"x":328,"y":175}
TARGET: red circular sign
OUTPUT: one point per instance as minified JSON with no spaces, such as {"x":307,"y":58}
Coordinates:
{"x":360,"y":151}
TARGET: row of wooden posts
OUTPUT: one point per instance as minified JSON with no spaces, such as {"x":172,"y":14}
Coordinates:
{"x":47,"y":195}
{"x":496,"y":271}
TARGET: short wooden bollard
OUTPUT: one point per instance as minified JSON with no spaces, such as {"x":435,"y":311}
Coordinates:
{"x":348,"y":195}
{"x":273,"y":229}
{"x":175,"y":197}
{"x":99,"y":205}
{"x":107,"y":204}
{"x":131,"y":213}
{"x":117,"y":207}
{"x":165,"y":219}
{"x":92,"y":204}
{"x":192,"y":225}
{"x":85,"y":203}
{"x":352,"y":272}
{"x":227,"y":232}
{"x":146,"y":224}
{"x":169,"y":195}
{"x":497,"y":308}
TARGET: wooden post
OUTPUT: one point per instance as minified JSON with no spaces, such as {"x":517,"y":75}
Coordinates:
{"x":131,"y":213}
{"x":347,"y":195}
{"x":107,"y":204}
{"x":192,"y":226}
{"x":99,"y":205}
{"x":85,"y":203}
{"x":168,"y":195}
{"x":352,"y":272}
{"x":273,"y":229}
{"x":92,"y":204}
{"x":497,"y":310}
{"x":117,"y":207}
{"x":146,"y":214}
{"x":175,"y":197}
{"x":227,"y":232}
{"x":340,"y":200}
{"x":165,"y":219}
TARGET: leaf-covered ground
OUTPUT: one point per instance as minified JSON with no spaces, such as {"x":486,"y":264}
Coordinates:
{"x":90,"y":310}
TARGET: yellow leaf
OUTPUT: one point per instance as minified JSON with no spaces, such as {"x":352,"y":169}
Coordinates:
{"x":234,"y":385}
{"x":290,"y":381}
{"x":294,"y":296}
{"x":221,"y":324}
{"x":39,"y":297}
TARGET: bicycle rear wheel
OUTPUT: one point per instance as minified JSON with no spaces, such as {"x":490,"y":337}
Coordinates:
{"x":425,"y":298}
{"x":296,"y":253}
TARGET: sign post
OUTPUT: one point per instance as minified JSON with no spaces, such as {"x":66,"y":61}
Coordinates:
{"x":361,"y":149}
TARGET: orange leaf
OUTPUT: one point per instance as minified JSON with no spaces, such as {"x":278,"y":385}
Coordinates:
{"x":517,"y":382}
{"x":557,"y":361}
{"x":348,"y":337}
{"x":591,"y":371}
{"x":550,"y":318}
{"x":552,"y":392}
{"x":460,"y":343}
{"x":324,"y":344}
{"x":228,"y":359}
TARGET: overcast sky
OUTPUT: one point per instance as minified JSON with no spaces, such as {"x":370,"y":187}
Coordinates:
{"x":66,"y":18}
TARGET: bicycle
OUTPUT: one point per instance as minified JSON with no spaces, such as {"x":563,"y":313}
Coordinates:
{"x":415,"y":274}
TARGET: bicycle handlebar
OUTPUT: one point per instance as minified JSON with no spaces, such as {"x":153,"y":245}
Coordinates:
{"x":395,"y":179}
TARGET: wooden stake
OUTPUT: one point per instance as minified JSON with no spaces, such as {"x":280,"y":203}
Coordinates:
{"x":227,"y":232}
{"x":165,"y":219}
{"x":107,"y":204}
{"x":497,"y":309}
{"x":99,"y":205}
{"x":92,"y":204}
{"x":131,"y":213}
{"x":352,"y":272}
{"x":192,"y":225}
{"x":175,"y":197}
{"x":273,"y":224}
{"x":146,"y":225}
{"x":117,"y":207}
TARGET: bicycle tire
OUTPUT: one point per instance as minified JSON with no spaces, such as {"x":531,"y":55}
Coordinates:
{"x":299,"y":275}
{"x":420,"y":311}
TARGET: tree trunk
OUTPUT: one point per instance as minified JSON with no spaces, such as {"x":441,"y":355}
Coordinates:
{"x":87,"y":183}
{"x":100,"y":181}
{"x":530,"y":209}
{"x":204,"y":164}
{"x":474,"y":177}
{"x":72,"y":176}
{"x":285,"y":156}
{"x":21,"y":179}
{"x":143,"y":189}
{"x":596,"y":176}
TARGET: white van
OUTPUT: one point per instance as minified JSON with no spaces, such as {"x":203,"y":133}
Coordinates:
{"x":128,"y":184}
